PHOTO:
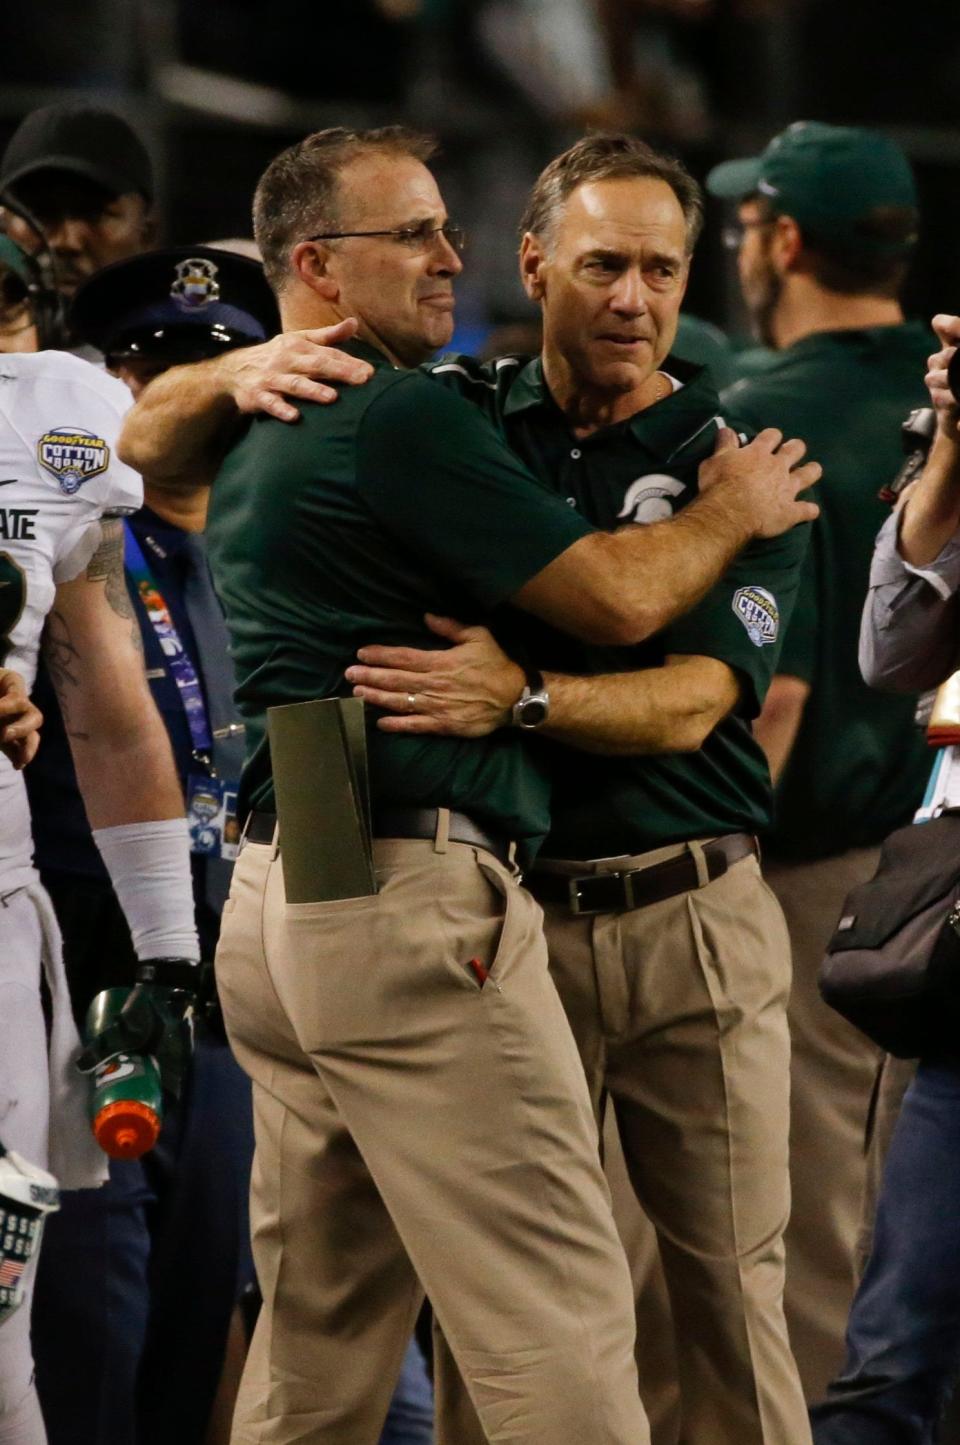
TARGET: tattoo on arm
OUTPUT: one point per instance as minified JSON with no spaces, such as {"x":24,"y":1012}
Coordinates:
{"x":106,"y":565}
{"x":63,"y":664}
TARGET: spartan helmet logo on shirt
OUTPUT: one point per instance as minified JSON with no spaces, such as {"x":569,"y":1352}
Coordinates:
{"x":195,"y":283}
{"x":650,"y":499}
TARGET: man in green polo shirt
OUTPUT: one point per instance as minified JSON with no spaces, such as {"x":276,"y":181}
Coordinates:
{"x":668,"y":950}
{"x":420,"y":1108}
{"x":828,"y":219}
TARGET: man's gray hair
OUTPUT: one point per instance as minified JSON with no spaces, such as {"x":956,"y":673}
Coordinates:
{"x":297,"y":194}
{"x":608,"y":157}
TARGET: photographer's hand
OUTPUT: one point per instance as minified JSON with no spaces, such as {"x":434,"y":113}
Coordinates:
{"x":947,"y":407}
{"x":931,"y":506}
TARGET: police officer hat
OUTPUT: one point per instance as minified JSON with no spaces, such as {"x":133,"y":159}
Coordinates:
{"x":176,"y":305}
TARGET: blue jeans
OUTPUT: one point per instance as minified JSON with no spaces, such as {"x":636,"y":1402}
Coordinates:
{"x":410,"y":1417}
{"x":903,"y":1335}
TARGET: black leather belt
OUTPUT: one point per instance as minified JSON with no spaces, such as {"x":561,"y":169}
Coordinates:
{"x":403,"y":823}
{"x":638,"y":887}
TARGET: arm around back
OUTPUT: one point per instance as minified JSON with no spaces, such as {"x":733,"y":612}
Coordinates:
{"x":179,"y":431}
{"x":440,"y":477}
{"x":624,"y":586}
{"x":668,"y":709}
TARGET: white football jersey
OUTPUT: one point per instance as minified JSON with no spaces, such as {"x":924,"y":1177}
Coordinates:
{"x":59,"y":475}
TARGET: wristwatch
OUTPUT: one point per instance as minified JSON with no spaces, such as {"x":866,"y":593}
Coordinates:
{"x":532,"y":707}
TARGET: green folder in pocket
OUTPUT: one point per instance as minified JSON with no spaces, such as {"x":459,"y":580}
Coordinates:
{"x":321,"y":781}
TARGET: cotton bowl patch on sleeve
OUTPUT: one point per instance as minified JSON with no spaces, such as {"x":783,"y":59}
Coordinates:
{"x":758,"y":611}
{"x":73,"y":456}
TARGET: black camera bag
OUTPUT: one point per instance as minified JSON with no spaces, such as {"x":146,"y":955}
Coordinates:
{"x":893,"y":965}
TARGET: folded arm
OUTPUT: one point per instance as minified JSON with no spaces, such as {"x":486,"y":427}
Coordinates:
{"x":468,"y":690}
{"x":624,"y":586}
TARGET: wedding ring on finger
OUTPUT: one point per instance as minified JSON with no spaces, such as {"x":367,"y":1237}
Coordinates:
{"x":411,"y":701}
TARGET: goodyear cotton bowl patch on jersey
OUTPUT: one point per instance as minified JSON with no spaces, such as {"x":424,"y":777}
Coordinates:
{"x":73,"y":456}
{"x":758,"y":611}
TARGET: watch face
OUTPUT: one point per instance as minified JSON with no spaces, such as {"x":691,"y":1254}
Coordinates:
{"x":533,"y":712}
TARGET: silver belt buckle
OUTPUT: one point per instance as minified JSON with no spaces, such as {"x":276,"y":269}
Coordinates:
{"x":573,"y":891}
{"x":574,"y":886}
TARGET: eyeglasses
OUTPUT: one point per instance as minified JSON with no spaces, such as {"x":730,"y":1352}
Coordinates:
{"x":415,"y":238}
{"x":732,"y":236}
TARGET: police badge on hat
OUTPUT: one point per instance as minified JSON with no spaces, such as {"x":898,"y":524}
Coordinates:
{"x":195,"y":283}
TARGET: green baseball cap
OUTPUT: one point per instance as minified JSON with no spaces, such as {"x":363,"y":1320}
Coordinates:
{"x":827,"y":177}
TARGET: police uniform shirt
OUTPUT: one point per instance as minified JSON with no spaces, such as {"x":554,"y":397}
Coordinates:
{"x":859,"y":764}
{"x":344,"y":530}
{"x":644,"y":470}
{"x":59,"y":475}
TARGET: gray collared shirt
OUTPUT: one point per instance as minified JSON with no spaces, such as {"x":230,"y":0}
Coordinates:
{"x":910,"y":633}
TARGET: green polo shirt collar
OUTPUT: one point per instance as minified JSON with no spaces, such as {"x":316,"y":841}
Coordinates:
{"x":663,"y":430}
{"x":366,"y":351}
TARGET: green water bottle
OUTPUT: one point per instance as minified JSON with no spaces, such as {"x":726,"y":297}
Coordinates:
{"x":126,"y":1101}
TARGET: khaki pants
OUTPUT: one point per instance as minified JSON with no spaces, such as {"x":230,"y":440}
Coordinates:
{"x":413,"y":1126}
{"x":833,"y":1070}
{"x":679,"y":1012}
{"x":656,"y":1341}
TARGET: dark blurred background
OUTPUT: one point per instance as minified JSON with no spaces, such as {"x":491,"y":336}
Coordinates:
{"x":216,"y":87}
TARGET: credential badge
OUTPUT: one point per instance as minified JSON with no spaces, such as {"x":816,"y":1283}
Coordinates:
{"x":650,"y":499}
{"x":73,"y":456}
{"x":758,"y":611}
{"x":195,"y":283}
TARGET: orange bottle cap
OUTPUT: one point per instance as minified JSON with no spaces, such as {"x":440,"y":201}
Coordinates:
{"x":126,"y":1128}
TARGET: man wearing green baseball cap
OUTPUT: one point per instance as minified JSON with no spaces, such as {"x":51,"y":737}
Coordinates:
{"x":828,"y":221}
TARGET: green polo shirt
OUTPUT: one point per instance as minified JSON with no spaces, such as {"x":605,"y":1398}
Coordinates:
{"x":644,"y":470}
{"x":343,"y":530}
{"x":859,"y":765}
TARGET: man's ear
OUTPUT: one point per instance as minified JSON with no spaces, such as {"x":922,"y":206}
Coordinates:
{"x":533,"y":260}
{"x":786,"y":244}
{"x":309,"y":261}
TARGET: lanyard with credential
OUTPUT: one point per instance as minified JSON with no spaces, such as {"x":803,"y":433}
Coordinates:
{"x":175,"y":654}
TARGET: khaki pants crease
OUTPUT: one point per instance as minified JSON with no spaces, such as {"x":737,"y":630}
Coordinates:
{"x":679,"y":1011}
{"x":679,"y":1014}
{"x":413,"y":1127}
